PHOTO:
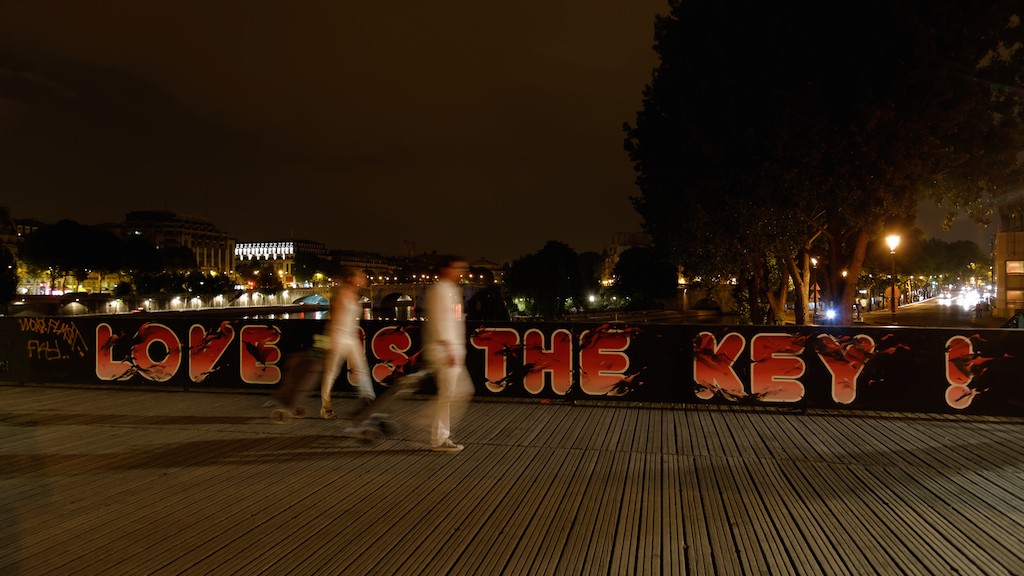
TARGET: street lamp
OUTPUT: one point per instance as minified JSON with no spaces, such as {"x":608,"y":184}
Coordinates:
{"x":893,"y":241}
{"x":814,"y":285}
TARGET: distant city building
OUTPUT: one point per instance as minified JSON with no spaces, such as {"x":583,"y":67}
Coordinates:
{"x":495,"y":269}
{"x":1008,"y":261}
{"x":214,"y":250}
{"x":9,"y":236}
{"x":26,"y":226}
{"x":621,"y":242}
{"x":378,"y":268}
{"x":217,"y":252}
{"x":280,"y":255}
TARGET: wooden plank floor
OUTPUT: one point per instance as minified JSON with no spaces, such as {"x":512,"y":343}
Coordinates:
{"x":148,"y":482}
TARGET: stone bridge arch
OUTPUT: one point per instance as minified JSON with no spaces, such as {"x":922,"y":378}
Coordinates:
{"x":384,"y":301}
{"x":397,"y":306}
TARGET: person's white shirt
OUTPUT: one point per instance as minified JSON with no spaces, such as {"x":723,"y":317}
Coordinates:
{"x":444,"y":332}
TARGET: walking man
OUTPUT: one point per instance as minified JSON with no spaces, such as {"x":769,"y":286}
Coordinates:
{"x":444,"y":351}
{"x":346,"y":345}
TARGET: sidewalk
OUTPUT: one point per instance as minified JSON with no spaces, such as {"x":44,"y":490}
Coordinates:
{"x":136,"y":482}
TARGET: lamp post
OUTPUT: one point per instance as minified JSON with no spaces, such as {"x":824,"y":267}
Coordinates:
{"x":893,"y":241}
{"x":814,"y":285}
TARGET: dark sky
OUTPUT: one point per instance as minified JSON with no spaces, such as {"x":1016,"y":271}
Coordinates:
{"x":484,"y":129}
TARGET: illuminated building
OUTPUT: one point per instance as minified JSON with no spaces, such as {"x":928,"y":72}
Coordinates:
{"x":279,"y":255}
{"x":1008,"y":266}
{"x":214,"y":250}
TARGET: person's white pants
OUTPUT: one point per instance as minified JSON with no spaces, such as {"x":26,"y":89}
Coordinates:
{"x":454,"y":389}
{"x":359,"y":373}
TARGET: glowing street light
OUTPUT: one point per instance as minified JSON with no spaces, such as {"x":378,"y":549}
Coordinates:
{"x":814,"y":284}
{"x":893,"y":240}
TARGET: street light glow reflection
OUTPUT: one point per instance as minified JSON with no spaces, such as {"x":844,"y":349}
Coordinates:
{"x":893,"y":240}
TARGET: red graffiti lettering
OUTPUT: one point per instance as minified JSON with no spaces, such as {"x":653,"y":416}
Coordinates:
{"x":157,"y":354}
{"x":961,"y":367}
{"x":258,"y":354}
{"x":776,"y":367}
{"x":498,"y":344}
{"x":603,"y":363}
{"x":390,"y":345}
{"x":206,"y":348}
{"x":959,"y":351}
{"x":107,"y":368}
{"x":553,"y":363}
{"x":712,"y":365}
{"x":845,"y":359}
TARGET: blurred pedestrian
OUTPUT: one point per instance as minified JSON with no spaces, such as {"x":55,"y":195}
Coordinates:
{"x":346,"y":346}
{"x":444,"y":351}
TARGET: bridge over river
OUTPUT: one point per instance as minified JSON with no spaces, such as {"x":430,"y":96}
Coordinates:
{"x":398,"y":300}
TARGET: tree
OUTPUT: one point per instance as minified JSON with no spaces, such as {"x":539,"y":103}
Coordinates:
{"x":8,"y":278}
{"x":248,"y":270}
{"x":140,"y":255}
{"x":68,"y":248}
{"x":644,"y":278}
{"x":588,"y":283}
{"x":487,"y":304}
{"x":202,"y":284}
{"x":769,"y":135}
{"x":267,"y":280}
{"x":309,"y":267}
{"x":548,"y":279}
{"x":945,"y":262}
{"x":179,"y":259}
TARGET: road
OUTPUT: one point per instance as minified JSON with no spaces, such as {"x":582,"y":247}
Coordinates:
{"x":934,"y":312}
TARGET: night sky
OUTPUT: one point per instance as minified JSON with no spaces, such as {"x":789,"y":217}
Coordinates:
{"x":457,"y":126}
{"x":484,"y":129}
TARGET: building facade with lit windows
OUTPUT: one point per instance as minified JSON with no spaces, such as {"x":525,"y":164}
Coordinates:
{"x":9,"y":236}
{"x":214,"y":250}
{"x":279,"y":255}
{"x":1008,"y":261}
{"x":378,"y":268}
{"x":621,"y":242}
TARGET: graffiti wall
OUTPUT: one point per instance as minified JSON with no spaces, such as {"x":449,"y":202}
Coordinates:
{"x":860,"y":368}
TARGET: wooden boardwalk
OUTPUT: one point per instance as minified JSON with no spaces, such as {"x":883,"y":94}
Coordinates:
{"x":148,"y":482}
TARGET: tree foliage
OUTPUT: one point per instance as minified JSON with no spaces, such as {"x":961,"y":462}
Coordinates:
{"x":8,"y":278}
{"x":644,"y":278}
{"x":307,"y":267}
{"x":770,"y":134}
{"x":178,"y":258}
{"x":70,"y":249}
{"x":550,"y":278}
{"x":931,"y":258}
{"x":267,"y":281}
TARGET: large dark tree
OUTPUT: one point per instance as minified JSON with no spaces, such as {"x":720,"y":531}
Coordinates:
{"x":179,"y":259}
{"x":139,"y":255}
{"x":310,"y":267}
{"x":70,"y":249}
{"x":8,"y":278}
{"x":587,"y":279}
{"x":549,"y":278}
{"x":930,"y":258}
{"x":773,"y":132}
{"x":267,"y":281}
{"x":644,"y":278}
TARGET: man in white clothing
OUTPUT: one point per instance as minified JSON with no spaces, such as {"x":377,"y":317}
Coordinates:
{"x":346,"y":344}
{"x":444,"y":351}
